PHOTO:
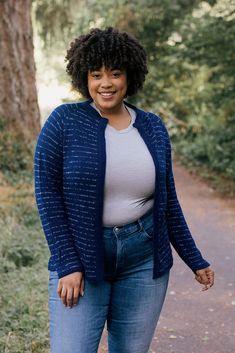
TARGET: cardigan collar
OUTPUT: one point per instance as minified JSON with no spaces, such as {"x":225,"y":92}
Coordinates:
{"x":141,"y":115}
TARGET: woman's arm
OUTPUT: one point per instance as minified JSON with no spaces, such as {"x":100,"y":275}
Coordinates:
{"x":48,"y":172}
{"x":179,"y":233}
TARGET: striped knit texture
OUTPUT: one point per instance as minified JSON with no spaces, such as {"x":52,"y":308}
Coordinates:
{"x":69,"y":170}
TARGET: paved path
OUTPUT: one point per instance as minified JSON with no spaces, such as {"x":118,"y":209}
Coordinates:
{"x":193,"y":321}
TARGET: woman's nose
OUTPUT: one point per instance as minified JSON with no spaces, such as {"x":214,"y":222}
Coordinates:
{"x":106,"y":82}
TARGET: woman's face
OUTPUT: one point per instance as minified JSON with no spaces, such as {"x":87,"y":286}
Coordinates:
{"x":107,"y":88}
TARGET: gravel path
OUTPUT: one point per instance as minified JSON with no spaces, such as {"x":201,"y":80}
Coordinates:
{"x":193,"y":321}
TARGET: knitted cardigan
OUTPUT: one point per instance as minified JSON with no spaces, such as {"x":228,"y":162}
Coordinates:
{"x":69,"y":170}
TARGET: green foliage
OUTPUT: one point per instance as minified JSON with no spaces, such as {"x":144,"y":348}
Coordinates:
{"x":211,"y":147}
{"x":23,"y":278}
{"x":16,"y":154}
{"x":206,"y":55}
{"x":55,"y":19}
{"x":191,"y":83}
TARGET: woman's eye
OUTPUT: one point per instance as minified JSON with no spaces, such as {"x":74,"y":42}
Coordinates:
{"x":116,"y":74}
{"x":95,"y":75}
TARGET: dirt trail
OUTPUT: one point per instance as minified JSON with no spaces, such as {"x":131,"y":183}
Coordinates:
{"x":193,"y":321}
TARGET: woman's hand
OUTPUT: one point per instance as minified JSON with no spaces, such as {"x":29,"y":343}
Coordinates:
{"x":70,"y":287}
{"x":205,"y":276}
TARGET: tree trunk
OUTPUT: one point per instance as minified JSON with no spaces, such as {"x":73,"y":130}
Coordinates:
{"x":18,"y":95}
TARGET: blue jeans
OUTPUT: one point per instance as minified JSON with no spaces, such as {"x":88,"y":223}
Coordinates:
{"x":128,"y":299}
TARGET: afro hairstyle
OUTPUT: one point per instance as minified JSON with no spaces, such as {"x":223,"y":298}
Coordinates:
{"x":110,"y":48}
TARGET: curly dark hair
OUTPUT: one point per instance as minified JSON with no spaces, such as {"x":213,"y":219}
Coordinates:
{"x":109,"y":47}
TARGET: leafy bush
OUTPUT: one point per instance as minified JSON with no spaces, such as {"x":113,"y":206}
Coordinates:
{"x":16,"y":154}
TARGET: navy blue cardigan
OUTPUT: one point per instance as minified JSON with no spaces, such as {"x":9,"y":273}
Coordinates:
{"x":69,"y":167}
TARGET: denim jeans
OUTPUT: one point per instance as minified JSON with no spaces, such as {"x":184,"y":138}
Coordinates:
{"x":128,"y":300}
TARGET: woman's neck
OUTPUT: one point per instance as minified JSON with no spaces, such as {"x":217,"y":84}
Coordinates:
{"x":119,"y":118}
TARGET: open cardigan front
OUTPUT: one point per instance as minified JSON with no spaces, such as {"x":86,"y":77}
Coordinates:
{"x":69,"y":167}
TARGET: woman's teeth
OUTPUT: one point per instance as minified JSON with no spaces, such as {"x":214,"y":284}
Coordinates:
{"x":107,"y":94}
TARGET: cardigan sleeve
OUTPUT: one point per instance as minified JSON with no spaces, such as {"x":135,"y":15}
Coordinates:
{"x":48,"y":178}
{"x":179,"y":233}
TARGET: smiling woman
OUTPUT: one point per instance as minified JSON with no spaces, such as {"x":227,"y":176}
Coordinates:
{"x":108,"y":87}
{"x":106,"y":196}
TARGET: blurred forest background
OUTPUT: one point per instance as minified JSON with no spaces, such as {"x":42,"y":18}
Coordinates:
{"x":190,"y":46}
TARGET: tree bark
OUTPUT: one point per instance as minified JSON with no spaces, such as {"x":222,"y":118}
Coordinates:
{"x":18,"y":95}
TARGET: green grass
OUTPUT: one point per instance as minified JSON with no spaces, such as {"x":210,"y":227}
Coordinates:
{"x":23,"y":277}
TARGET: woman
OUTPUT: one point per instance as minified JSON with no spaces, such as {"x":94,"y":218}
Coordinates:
{"x":107,"y":201}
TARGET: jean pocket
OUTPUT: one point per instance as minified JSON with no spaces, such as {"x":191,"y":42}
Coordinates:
{"x":148,"y":232}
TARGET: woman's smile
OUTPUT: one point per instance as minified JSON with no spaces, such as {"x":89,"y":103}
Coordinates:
{"x":106,"y":95}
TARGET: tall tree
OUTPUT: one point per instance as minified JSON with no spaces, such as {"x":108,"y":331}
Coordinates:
{"x":18,"y":95}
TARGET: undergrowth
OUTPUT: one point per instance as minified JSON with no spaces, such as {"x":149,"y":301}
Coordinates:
{"x":23,"y":277}
{"x":16,"y":162}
